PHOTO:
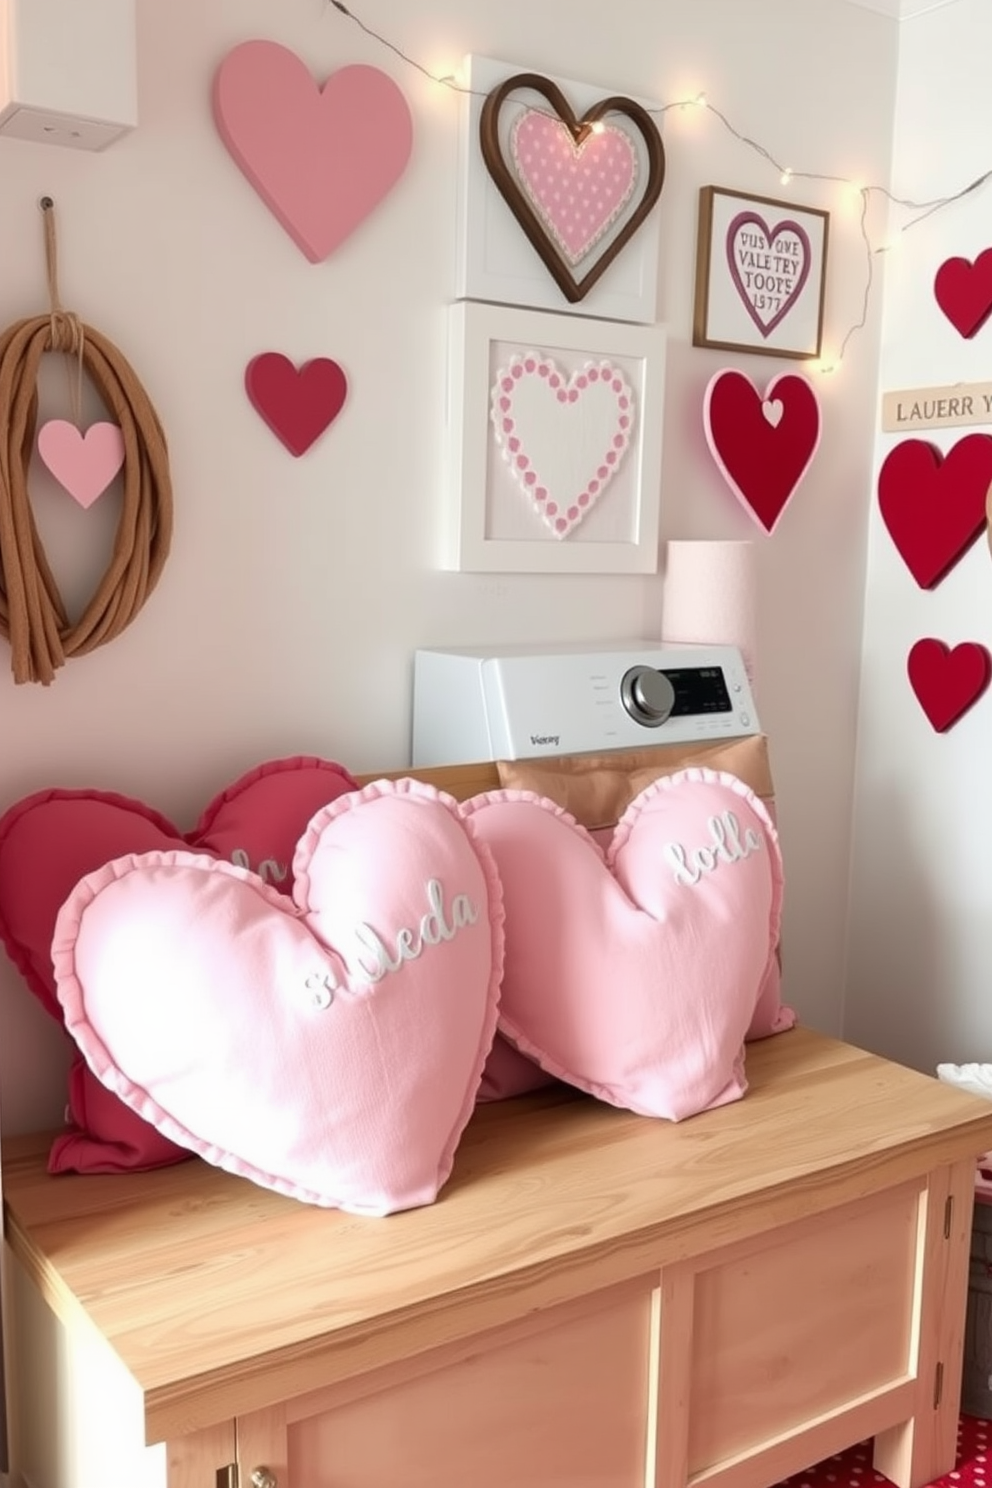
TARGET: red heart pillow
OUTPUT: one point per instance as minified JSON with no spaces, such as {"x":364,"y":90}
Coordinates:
{"x":54,"y":838}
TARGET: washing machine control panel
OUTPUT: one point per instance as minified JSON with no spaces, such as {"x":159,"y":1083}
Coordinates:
{"x":526,"y":702}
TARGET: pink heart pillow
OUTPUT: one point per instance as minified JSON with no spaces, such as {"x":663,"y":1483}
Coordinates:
{"x":634,"y":974}
{"x":330,"y":1047}
{"x":51,"y":839}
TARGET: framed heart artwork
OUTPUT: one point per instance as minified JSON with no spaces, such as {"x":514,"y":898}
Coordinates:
{"x":558,"y":194}
{"x":555,"y":443}
{"x":760,"y":274}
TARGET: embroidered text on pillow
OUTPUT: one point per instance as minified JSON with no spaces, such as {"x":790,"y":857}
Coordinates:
{"x":728,"y":847}
{"x":269,"y":871}
{"x":322,"y":986}
{"x":434,"y":928}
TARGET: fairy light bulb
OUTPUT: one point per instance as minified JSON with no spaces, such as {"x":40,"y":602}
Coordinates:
{"x":854,"y":197}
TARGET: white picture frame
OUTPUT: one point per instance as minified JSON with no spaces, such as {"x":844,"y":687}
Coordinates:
{"x":495,"y":262}
{"x":494,"y":522}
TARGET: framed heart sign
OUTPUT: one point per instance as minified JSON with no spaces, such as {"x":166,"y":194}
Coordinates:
{"x":569,"y":179}
{"x":555,"y":457}
{"x":759,"y":274}
{"x":558,"y":189}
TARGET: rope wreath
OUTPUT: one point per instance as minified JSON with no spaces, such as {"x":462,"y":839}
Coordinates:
{"x":33,"y":616}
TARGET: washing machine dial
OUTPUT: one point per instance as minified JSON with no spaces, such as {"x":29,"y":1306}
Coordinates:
{"x":647,"y":695}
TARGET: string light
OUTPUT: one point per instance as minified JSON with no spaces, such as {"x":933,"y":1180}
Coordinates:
{"x":859,"y":194}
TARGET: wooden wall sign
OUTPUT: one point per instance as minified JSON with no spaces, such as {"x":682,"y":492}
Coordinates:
{"x":961,"y":405}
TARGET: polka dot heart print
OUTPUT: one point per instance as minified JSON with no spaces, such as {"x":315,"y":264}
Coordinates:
{"x":853,"y":1468}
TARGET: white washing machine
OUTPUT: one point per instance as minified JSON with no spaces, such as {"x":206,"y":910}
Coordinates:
{"x":520,"y":702}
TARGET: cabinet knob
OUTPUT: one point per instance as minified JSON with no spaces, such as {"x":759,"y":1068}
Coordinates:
{"x":262,"y":1478}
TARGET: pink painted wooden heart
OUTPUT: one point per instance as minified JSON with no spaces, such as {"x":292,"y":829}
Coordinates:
{"x":329,"y":1047}
{"x":298,"y":404}
{"x":577,"y":189}
{"x":320,"y":158}
{"x":635,"y":974}
{"x":769,"y":266}
{"x":763,"y":445}
{"x":563,"y":437}
{"x":85,"y":464}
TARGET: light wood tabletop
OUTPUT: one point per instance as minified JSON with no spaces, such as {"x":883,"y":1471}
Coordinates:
{"x":204,"y":1283}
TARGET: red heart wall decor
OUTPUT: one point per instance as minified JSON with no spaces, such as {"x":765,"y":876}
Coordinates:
{"x":320,"y":158}
{"x":963,"y":290}
{"x":933,"y":504}
{"x":762,"y":444}
{"x":947,"y":682}
{"x":297,"y":404}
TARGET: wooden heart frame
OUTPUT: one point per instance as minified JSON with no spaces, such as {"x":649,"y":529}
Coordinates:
{"x":558,"y":267}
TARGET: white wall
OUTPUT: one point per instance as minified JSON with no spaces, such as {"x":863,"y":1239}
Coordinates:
{"x":296,"y":591}
{"x":921,"y":906}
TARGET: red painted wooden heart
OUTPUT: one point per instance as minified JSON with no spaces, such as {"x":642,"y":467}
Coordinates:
{"x":763,"y":445}
{"x":298,"y":404}
{"x":963,"y":290}
{"x":946,"y":682}
{"x":934,"y":504}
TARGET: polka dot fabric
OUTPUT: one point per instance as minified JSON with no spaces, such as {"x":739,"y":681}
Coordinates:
{"x":853,"y":1469}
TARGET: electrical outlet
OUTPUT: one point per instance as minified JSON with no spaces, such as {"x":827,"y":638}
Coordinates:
{"x":18,"y":122}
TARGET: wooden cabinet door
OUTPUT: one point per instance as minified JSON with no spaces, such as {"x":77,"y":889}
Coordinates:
{"x":559,"y":1400}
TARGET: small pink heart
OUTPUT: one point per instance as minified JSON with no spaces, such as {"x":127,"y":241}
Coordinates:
{"x":84,"y":464}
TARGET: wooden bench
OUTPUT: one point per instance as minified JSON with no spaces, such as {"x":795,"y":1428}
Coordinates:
{"x":596,"y":1300}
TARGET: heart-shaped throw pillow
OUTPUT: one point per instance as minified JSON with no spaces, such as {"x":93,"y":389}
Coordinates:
{"x":634,"y":974}
{"x":50,"y":840}
{"x":330,"y":1047}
